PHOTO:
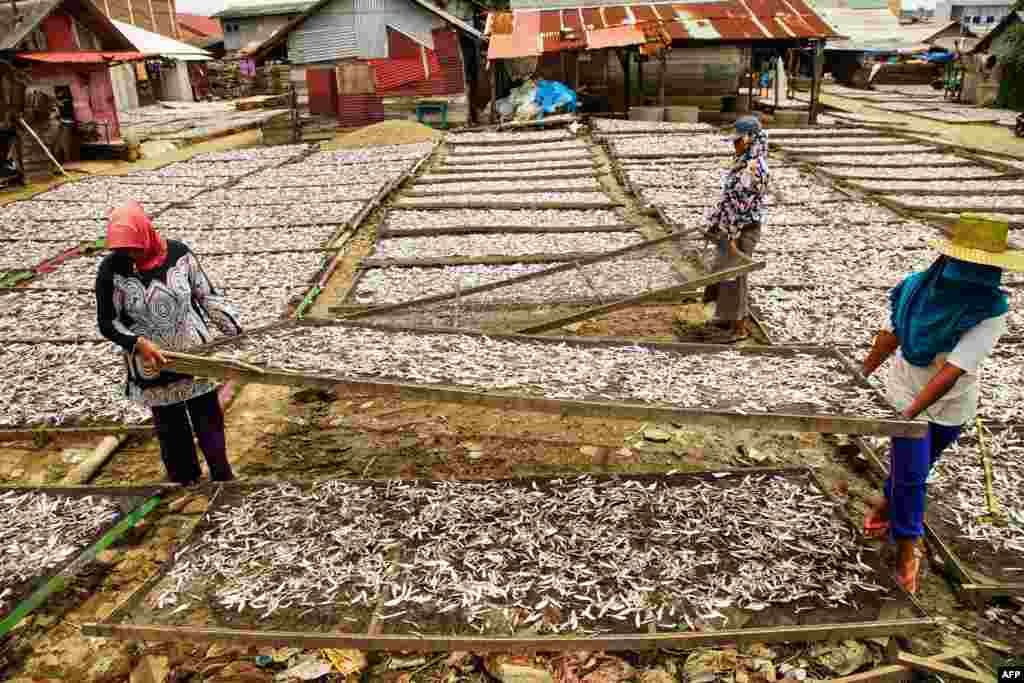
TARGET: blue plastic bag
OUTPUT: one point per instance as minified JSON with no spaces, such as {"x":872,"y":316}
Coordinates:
{"x":552,"y":96}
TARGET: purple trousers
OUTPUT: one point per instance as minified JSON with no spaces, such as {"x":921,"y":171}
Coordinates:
{"x":179,"y":426}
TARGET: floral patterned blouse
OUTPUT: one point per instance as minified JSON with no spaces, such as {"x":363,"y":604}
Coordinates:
{"x":743,"y":190}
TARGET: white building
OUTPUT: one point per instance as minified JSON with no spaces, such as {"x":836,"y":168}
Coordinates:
{"x":978,"y":15}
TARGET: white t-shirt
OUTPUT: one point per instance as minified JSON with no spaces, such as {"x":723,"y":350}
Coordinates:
{"x":960,"y":404}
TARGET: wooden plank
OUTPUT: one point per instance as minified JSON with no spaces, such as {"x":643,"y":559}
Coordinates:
{"x":936,"y":667}
{"x":686,"y":639}
{"x":470,"y":261}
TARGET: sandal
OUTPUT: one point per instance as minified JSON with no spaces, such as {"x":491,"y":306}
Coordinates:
{"x":875,"y":527}
{"x":909,"y":580}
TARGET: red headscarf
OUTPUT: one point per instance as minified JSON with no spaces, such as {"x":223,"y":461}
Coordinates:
{"x":130,"y":228}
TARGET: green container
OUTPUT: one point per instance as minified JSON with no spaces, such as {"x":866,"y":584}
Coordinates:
{"x":729,"y":104}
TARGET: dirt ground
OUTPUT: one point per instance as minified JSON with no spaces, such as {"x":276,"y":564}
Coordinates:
{"x":279,"y":433}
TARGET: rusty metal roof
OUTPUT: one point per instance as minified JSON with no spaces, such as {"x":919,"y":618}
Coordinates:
{"x":531,"y":32}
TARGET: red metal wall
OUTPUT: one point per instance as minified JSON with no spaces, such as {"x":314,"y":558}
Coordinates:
{"x":101,"y":99}
{"x":59,"y":36}
{"x":401,"y":46}
{"x":323,"y":91}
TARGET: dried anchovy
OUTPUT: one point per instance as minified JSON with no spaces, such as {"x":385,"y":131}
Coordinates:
{"x":662,"y":196}
{"x":528,"y":157}
{"x":670,"y":144}
{"x":224,"y":217}
{"x":187,"y":169}
{"x":979,"y":186}
{"x":469,"y":150}
{"x":866,"y":149}
{"x":843,"y":237}
{"x":64,"y":384}
{"x":511,"y":137}
{"x":797,"y":144}
{"x":115,"y":193}
{"x":1016,"y":163}
{"x":1000,"y":391}
{"x":26,"y":254}
{"x":55,"y":231}
{"x":868,"y":267}
{"x":41,"y":531}
{"x":822,"y":315}
{"x":622,"y":126}
{"x":512,"y":166}
{"x":907,"y":172}
{"x":486,"y":200}
{"x":829,"y":132}
{"x":31,"y":210}
{"x":563,"y":555}
{"x":369,"y":155}
{"x":255,"y":154}
{"x":53,"y":315}
{"x":257,"y":239}
{"x":846,"y":213}
{"x":897,"y":159}
{"x":405,"y":219}
{"x":490,"y":174}
{"x":958,"y":116}
{"x":289,"y":195}
{"x":505,"y":244}
{"x":713,"y":381}
{"x":530,"y":185}
{"x":941,"y":201}
{"x":300,"y":175}
{"x":603,"y":280}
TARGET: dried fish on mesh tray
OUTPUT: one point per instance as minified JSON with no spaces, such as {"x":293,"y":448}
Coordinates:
{"x":622,"y":126}
{"x":797,"y":144}
{"x":908,"y":172}
{"x":832,"y":152}
{"x":52,"y":231}
{"x":670,"y":144}
{"x":668,"y":196}
{"x":31,"y":210}
{"x":64,"y":384}
{"x":900,"y":157}
{"x":26,"y":254}
{"x":53,"y":315}
{"x":528,"y":185}
{"x":509,"y":166}
{"x":693,"y":217}
{"x":41,"y":531}
{"x":1016,"y":163}
{"x":1000,"y":385}
{"x":828,"y":132}
{"x":468,"y":150}
{"x":979,"y":186}
{"x":529,"y":157}
{"x":975,"y":200}
{"x":370,"y":155}
{"x":227,"y":170}
{"x":496,"y":200}
{"x":580,"y":555}
{"x":289,"y":195}
{"x":409,"y":219}
{"x":115,"y":193}
{"x":510,"y":137}
{"x":605,"y":279}
{"x":727,"y":381}
{"x":842,"y":237}
{"x":275,"y":152}
{"x":283,"y":216}
{"x":957,"y":492}
{"x":855,"y":212}
{"x":259,"y":306}
{"x":490,"y":174}
{"x":503,"y":244}
{"x":299,"y":175}
{"x":257,"y":239}
{"x":848,"y":316}
{"x":869,"y":267}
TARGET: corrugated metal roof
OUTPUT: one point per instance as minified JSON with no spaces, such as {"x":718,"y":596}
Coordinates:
{"x":156,"y":45}
{"x":256,"y":8}
{"x":81,"y":57}
{"x":866,"y":29}
{"x":530,"y":32}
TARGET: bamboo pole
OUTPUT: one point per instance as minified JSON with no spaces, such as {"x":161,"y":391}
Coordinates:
{"x":42,"y":144}
{"x":88,"y":468}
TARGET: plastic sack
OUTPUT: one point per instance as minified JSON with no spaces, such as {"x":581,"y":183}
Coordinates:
{"x":505,"y":106}
{"x":553,"y":96}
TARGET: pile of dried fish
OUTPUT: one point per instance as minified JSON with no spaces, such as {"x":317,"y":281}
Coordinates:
{"x":510,"y":137}
{"x":898,"y":173}
{"x":53,"y":231}
{"x":27,"y":254}
{"x":667,"y":196}
{"x":869,"y":267}
{"x":870,"y":150}
{"x":843,"y":237}
{"x":259,"y":306}
{"x":694,"y":181}
{"x":31,"y":210}
{"x":598,"y":199}
{"x":558,"y":145}
{"x":979,"y":186}
{"x":504,"y":244}
{"x":490,"y":174}
{"x":1000,"y":390}
{"x":255,"y":239}
{"x":223,"y":171}
{"x":798,"y":144}
{"x":973,"y":201}
{"x":619,"y":126}
{"x":670,"y":144}
{"x":602,"y":281}
{"x":289,"y":195}
{"x":494,"y":159}
{"x":115,"y":193}
{"x":900,"y":157}
{"x":846,"y":215}
{"x":509,"y":186}
{"x":299,"y":175}
{"x":225,"y":217}
{"x":52,"y":315}
{"x":725,"y":381}
{"x":817,"y":132}
{"x":821,"y":315}
{"x":276,"y":152}
{"x":41,"y":531}
{"x":577,"y":555}
{"x":369,"y":155}
{"x":507,"y":166}
{"x":958,"y":492}
{"x":64,"y":384}
{"x":530,"y":218}
{"x":693,"y":216}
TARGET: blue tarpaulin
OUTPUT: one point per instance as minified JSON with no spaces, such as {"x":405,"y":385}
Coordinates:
{"x":553,"y":96}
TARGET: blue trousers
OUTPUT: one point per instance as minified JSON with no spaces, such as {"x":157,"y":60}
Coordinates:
{"x":910,"y":463}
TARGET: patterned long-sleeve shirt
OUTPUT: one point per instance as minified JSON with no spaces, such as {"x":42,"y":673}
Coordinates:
{"x":172,"y":305}
{"x":743,"y":190}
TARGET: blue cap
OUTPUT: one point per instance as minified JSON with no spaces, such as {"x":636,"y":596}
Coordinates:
{"x":748,"y":125}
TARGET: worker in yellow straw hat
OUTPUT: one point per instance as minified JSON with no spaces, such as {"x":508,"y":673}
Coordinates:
{"x":944,"y":323}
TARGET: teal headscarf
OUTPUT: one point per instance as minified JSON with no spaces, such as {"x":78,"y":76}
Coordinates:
{"x":931,"y":310}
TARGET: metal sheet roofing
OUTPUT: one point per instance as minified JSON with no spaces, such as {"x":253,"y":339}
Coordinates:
{"x":81,"y":57}
{"x":156,"y":45}
{"x":530,"y":32}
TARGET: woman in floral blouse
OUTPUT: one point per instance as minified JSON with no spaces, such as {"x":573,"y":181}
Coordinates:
{"x":736,"y":221}
{"x":152,"y":294}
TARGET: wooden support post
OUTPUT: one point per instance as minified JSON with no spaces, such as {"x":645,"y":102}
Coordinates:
{"x":932,"y":666}
{"x":565,"y":67}
{"x":817,"y":64}
{"x":662,"y":68}
{"x":494,"y":91}
{"x":640,"y":78}
{"x":775,"y":77}
{"x":43,"y":145}
{"x":576,"y":80}
{"x":750,"y":83}
{"x":624,"y":58}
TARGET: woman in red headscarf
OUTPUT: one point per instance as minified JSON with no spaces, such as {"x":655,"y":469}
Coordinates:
{"x":152,"y":294}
